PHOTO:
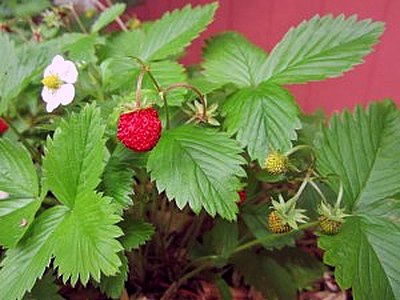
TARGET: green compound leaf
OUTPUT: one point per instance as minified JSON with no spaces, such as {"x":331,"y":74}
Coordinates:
{"x":365,"y":254}
{"x":82,"y":235}
{"x":107,"y":16}
{"x":199,"y":167}
{"x":18,"y":179}
{"x":168,"y":36}
{"x":362,"y":149}
{"x":86,"y":240}
{"x":231,"y":58}
{"x":323,"y":47}
{"x":27,"y":262}
{"x":136,"y":233}
{"x":74,"y":158}
{"x":263,"y":118}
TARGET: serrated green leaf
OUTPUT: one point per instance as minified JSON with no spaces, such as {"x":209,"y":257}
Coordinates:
{"x":174,"y":31}
{"x":107,"y":16}
{"x":366,"y":257}
{"x":256,"y":219}
{"x":323,"y":47}
{"x":231,"y":58}
{"x":198,"y":167}
{"x":27,"y":262}
{"x":168,"y":36}
{"x":86,"y":242}
{"x":74,"y":159}
{"x":136,"y":233}
{"x":263,"y":118}
{"x":114,"y":285}
{"x":362,"y":150}
{"x":117,"y":179}
{"x":44,"y":288}
{"x":19,"y":180}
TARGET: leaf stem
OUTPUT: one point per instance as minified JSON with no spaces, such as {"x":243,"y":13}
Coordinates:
{"x":194,"y":89}
{"x":157,"y":86}
{"x":139,"y":82}
{"x":77,"y":19}
{"x":117,"y":19}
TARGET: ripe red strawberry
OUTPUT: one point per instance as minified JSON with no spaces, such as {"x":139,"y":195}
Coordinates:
{"x":242,"y":195}
{"x":139,"y":130}
{"x":3,"y":126}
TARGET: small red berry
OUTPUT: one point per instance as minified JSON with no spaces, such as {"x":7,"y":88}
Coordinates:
{"x":139,"y":130}
{"x":242,"y":195}
{"x":3,"y":126}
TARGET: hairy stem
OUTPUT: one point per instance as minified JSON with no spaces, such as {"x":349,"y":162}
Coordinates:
{"x":139,"y":86}
{"x":103,"y":7}
{"x":76,"y":17}
{"x":194,"y":89}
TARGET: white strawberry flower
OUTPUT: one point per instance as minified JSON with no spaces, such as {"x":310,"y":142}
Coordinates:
{"x":58,"y":80}
{"x":3,"y":195}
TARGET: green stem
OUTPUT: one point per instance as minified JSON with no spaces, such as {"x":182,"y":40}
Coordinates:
{"x":302,"y":187}
{"x":272,"y":237}
{"x":164,"y":98}
{"x":194,"y":89}
{"x":117,"y":19}
{"x":298,"y":148}
{"x":157,"y":86}
{"x":318,"y":190}
{"x":139,"y":86}
{"x":77,"y":19}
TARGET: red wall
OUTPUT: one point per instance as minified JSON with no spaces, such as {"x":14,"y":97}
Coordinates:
{"x":264,"y":22}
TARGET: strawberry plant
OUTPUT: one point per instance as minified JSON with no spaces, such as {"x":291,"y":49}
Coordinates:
{"x":123,"y":172}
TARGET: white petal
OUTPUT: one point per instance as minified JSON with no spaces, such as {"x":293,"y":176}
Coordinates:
{"x":52,"y":106}
{"x":55,"y":65}
{"x":65,"y":94}
{"x":69,"y":73}
{"x":4,"y":195}
{"x":50,"y":97}
{"x":58,"y":59}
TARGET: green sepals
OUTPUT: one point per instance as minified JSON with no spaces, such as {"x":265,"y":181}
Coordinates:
{"x":196,"y":113}
{"x":288,"y":212}
{"x":333,"y":213}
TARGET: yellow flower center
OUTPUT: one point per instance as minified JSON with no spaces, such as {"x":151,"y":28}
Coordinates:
{"x":52,"y":82}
